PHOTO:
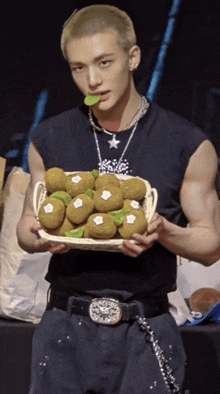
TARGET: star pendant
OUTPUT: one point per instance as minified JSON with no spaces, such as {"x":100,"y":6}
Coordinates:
{"x":113,"y":143}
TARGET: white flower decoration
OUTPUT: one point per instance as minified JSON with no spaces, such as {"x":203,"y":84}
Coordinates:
{"x":130,"y":219}
{"x":135,"y":204}
{"x":98,"y":220}
{"x":48,"y":208}
{"x":106,"y":195}
{"x":78,"y":203}
{"x":76,"y":179}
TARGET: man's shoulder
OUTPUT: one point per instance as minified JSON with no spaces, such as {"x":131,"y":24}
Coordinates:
{"x":76,"y":114}
{"x":171,"y":117}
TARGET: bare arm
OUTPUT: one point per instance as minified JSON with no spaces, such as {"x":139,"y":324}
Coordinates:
{"x":200,"y":241}
{"x":28,"y":226}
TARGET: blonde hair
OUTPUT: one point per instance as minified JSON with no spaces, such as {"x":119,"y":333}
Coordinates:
{"x":97,"y":19}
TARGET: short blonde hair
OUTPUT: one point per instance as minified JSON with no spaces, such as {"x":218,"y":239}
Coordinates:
{"x":97,"y":19}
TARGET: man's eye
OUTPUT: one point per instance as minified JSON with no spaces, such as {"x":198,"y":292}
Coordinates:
{"x":77,"y":69}
{"x":105,"y":63}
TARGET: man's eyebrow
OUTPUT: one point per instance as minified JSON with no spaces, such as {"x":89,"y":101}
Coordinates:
{"x":98,"y":58}
{"x":103,"y":55}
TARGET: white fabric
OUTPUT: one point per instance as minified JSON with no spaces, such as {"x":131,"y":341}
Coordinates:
{"x":178,"y":308}
{"x":22,"y":285}
{"x":192,"y":276}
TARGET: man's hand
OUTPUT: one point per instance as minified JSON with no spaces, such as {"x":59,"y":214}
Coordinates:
{"x":44,"y":245}
{"x":143,"y":241}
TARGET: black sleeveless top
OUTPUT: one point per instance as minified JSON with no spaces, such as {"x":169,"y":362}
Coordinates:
{"x":159,"y":152}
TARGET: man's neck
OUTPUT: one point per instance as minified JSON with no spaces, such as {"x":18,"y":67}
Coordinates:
{"x":120,"y":117}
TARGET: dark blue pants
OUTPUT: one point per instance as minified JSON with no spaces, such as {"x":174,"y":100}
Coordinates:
{"x":73,"y":355}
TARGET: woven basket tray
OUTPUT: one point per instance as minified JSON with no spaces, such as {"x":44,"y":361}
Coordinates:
{"x":109,"y":245}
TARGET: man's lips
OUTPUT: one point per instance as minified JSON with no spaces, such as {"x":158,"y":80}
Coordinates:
{"x":105,"y":96}
{"x":102,"y":94}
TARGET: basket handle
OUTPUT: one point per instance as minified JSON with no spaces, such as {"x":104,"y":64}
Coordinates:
{"x":154,"y":204}
{"x":36,"y":198}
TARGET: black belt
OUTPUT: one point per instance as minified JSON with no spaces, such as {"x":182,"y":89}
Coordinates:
{"x":105,"y":310}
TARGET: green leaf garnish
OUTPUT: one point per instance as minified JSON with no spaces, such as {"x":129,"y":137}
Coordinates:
{"x":119,"y":216}
{"x":92,"y":99}
{"x":62,"y":197}
{"x":75,"y":233}
{"x":121,"y":212}
{"x":95,"y":173}
{"x":90,"y":193}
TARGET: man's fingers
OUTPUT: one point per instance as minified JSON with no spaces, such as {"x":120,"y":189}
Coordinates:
{"x":35,"y":228}
{"x":44,"y":245}
{"x":129,"y":249}
{"x":155,"y":224}
{"x":59,"y":248}
{"x":141,"y":244}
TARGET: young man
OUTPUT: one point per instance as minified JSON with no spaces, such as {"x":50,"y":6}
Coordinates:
{"x":125,"y":134}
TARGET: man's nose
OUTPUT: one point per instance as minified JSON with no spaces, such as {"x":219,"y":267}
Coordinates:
{"x":94,"y":77}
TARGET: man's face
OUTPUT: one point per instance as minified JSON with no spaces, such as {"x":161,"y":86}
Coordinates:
{"x":100,"y":66}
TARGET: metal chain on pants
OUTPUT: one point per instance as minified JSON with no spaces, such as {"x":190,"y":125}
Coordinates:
{"x":165,"y":369}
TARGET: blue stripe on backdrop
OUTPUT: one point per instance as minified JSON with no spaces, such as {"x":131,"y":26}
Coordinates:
{"x":11,"y":154}
{"x":167,"y":39}
{"x":38,"y":117}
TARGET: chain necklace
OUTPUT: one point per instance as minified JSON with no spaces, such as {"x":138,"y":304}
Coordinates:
{"x":143,"y":109}
{"x":113,"y":143}
{"x":101,"y":129}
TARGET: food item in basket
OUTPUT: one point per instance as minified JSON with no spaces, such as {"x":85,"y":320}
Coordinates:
{"x":132,"y":204}
{"x":55,"y":179}
{"x":134,"y":189}
{"x":51,"y":213}
{"x":103,"y":198}
{"x":106,"y":180}
{"x":134,"y":222}
{"x":108,"y":198}
{"x":86,"y":232}
{"x":101,"y":225}
{"x":63,"y":196}
{"x":78,"y":183}
{"x":80,"y":208}
{"x":66,"y":225}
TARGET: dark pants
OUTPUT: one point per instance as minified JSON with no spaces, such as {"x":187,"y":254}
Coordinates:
{"x":73,"y":355}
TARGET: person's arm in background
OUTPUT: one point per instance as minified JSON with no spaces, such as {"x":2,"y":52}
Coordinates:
{"x":28,"y":226}
{"x":200,"y":241}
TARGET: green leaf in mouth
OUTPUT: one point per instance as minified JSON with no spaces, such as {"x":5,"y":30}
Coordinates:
{"x":92,"y":99}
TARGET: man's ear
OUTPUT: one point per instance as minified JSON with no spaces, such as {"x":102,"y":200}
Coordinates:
{"x":134,"y":57}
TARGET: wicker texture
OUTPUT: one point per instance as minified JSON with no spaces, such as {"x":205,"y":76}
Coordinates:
{"x":110,"y":245}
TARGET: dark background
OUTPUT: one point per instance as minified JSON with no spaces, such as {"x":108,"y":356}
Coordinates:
{"x":31,"y":61}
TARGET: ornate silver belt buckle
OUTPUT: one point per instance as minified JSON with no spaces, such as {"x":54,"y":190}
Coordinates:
{"x":105,"y":311}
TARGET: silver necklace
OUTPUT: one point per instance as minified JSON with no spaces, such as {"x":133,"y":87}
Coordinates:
{"x":143,"y":109}
{"x":113,"y":143}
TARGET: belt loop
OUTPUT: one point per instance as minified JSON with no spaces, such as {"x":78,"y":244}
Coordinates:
{"x":126,"y":314}
{"x":141,"y":310}
{"x":69,"y":306}
{"x":49,"y":301}
{"x":48,"y":294}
